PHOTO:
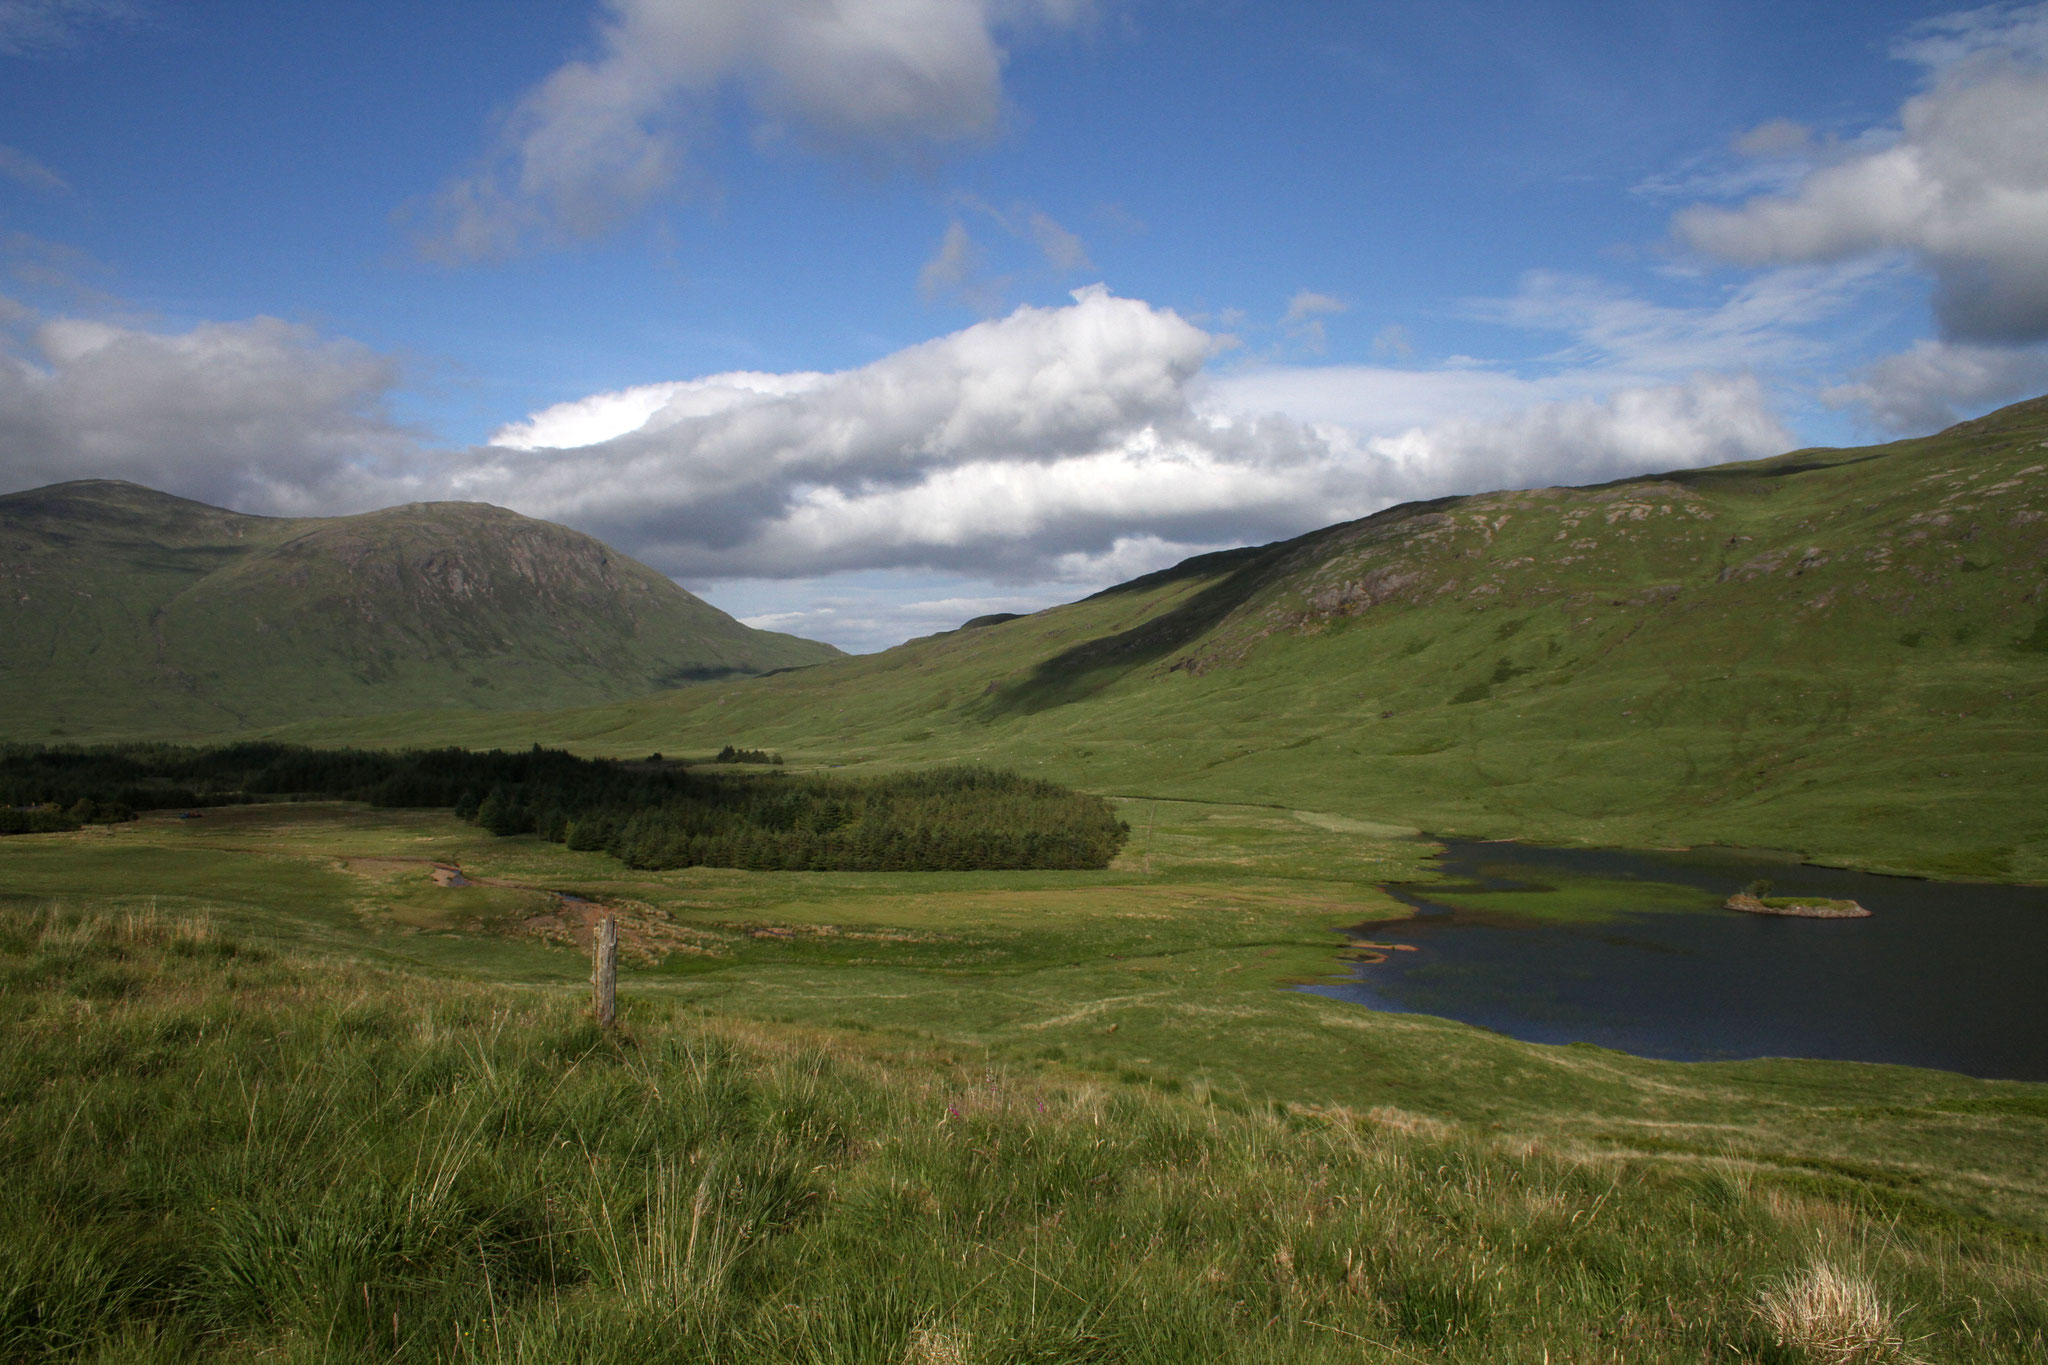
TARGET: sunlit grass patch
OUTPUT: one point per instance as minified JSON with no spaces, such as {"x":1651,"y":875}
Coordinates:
{"x":1549,"y":895}
{"x":251,"y":1156}
{"x":1834,"y":1316}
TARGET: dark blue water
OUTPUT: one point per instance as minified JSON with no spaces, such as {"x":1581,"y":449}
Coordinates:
{"x":1943,"y":974}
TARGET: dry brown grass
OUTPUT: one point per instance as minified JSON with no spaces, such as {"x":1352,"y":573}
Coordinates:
{"x":931,"y":1346}
{"x":1832,"y":1316}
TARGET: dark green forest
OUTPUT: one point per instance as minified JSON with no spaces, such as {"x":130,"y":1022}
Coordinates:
{"x":732,"y":754}
{"x":648,"y":813}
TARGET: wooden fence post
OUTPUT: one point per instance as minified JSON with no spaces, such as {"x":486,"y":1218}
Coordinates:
{"x":604,"y":974}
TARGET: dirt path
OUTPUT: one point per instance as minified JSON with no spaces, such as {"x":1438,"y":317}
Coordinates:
{"x":646,"y":934}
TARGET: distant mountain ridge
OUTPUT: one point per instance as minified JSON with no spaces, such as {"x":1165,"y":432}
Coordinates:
{"x":1840,"y":651}
{"x":126,"y":611}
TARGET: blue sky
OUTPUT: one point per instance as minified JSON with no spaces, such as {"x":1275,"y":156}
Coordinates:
{"x":864,"y":317}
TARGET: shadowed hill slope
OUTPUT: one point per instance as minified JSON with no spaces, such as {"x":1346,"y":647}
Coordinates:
{"x":124,"y":611}
{"x":1839,"y":651}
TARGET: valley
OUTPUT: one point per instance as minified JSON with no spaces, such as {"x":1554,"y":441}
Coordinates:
{"x":314,"y":1079}
{"x":1838,"y":652}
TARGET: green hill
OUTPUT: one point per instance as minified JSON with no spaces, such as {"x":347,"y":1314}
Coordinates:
{"x":129,"y":612}
{"x":1839,"y":651}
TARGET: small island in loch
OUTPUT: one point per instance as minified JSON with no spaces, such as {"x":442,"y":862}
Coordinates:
{"x":1804,"y":907}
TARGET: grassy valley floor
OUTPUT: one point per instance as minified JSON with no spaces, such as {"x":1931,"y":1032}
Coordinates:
{"x":1839,"y":651}
{"x":275,"y":1091}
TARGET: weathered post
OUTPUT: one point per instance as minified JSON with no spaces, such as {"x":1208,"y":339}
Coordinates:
{"x":604,"y":972}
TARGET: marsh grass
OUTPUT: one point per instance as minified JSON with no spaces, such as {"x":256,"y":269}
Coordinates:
{"x":255,"y":1155}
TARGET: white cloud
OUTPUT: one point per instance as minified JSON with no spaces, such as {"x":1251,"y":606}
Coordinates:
{"x":1307,"y":304}
{"x":646,"y":407}
{"x":1613,"y":341}
{"x":24,"y":169}
{"x":1380,"y":400}
{"x":959,"y":268}
{"x":1937,"y":383}
{"x":1772,"y":158}
{"x":1756,"y":323}
{"x":1392,"y":342}
{"x":1774,"y":137}
{"x":1707,"y":419}
{"x":1152,"y":503}
{"x":861,"y":612}
{"x":600,"y":138}
{"x":1031,"y":390}
{"x":1078,"y":444}
{"x":1949,"y":39}
{"x":1020,"y":522}
{"x":55,"y":271}
{"x":1303,"y":320}
{"x":956,"y":270}
{"x":1063,"y":251}
{"x":1038,"y":455}
{"x":262,"y":414}
{"x":867,"y":610}
{"x":30,"y":28}
{"x":1962,"y":186}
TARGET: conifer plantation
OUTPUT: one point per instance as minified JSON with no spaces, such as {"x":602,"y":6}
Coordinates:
{"x":651,"y":813}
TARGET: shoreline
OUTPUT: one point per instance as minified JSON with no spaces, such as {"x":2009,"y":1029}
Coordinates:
{"x":1811,"y":908}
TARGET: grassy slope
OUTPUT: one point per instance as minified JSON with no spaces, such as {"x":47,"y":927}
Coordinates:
{"x":131,"y":613}
{"x":1843,"y":652}
{"x":966,"y":1117}
{"x":251,"y":1110}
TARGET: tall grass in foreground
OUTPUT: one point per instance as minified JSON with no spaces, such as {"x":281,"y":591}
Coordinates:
{"x":207,"y":1152}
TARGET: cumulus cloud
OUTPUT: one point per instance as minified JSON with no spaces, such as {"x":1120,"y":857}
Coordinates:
{"x":263,"y":414}
{"x":1707,"y":419}
{"x":645,"y":407}
{"x":1037,"y":455}
{"x":1937,"y":383}
{"x":1377,"y":400}
{"x":1961,"y":185}
{"x":1077,"y":444}
{"x":750,"y":472}
{"x":601,"y":137}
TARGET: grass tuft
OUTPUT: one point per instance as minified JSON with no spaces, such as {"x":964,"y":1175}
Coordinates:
{"x":1834,"y":1317}
{"x":934,"y":1346}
